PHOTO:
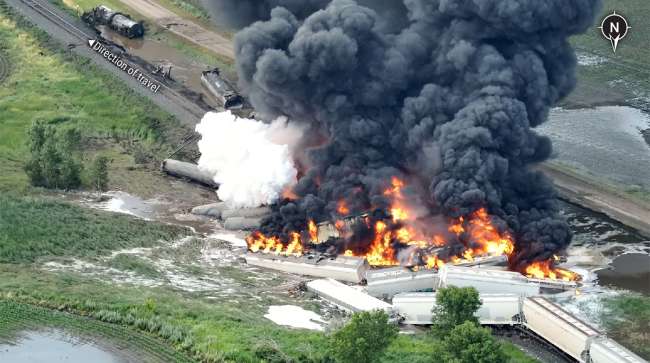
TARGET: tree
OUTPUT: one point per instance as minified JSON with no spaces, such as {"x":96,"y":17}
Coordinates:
{"x":53,"y":161}
{"x":454,"y":306}
{"x":99,"y":173}
{"x":364,"y":339}
{"x":469,"y":343}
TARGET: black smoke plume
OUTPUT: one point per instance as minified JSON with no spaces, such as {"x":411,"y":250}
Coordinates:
{"x":240,"y":13}
{"x":448,"y":102}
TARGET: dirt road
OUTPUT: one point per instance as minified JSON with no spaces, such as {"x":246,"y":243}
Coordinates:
{"x":632,"y":213}
{"x":183,"y":27}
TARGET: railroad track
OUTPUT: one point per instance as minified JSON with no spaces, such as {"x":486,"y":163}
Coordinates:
{"x":83,"y":36}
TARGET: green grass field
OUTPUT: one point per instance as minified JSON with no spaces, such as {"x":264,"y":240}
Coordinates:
{"x":34,"y":227}
{"x":127,"y":262}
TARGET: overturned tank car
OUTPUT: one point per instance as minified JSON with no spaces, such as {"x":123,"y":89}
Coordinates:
{"x":119,"y":22}
{"x":222,"y":90}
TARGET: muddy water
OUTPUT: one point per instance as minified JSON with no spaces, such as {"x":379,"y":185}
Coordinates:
{"x":54,"y":346}
{"x":184,"y":70}
{"x":615,"y":256}
{"x":630,"y":271}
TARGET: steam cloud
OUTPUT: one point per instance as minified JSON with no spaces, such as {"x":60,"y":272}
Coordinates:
{"x":250,"y":160}
{"x":448,"y":101}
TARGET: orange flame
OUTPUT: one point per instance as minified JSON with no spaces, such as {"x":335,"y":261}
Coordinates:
{"x":313,"y":231}
{"x":485,"y":238}
{"x":546,"y":270}
{"x":259,"y":242}
{"x":381,"y":252}
{"x":289,"y":194}
{"x":396,"y":188}
{"x":343,"y":208}
{"x":476,"y":228}
{"x":434,"y":262}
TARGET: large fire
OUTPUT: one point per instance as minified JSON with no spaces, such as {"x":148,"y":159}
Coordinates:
{"x":481,"y":238}
{"x":544,"y":269}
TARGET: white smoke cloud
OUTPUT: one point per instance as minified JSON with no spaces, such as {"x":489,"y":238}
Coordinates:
{"x":250,"y":160}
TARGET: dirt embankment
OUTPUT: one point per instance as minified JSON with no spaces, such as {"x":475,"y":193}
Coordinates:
{"x":577,"y":190}
{"x":184,"y":28}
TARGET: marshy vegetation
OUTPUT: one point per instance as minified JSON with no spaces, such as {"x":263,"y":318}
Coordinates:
{"x":33,"y":227}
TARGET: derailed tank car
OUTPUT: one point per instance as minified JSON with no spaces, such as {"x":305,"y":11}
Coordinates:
{"x":117,"y":21}
{"x":222,"y":90}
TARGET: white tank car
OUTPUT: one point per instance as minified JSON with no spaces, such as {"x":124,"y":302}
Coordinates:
{"x":605,"y":350}
{"x":559,"y":327}
{"x":496,"y":309}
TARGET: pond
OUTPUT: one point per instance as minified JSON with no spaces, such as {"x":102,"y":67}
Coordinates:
{"x":48,"y":346}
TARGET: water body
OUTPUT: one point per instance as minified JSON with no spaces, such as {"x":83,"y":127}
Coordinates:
{"x":629,"y":271}
{"x":54,"y":346}
{"x":606,"y":142}
{"x":606,"y":252}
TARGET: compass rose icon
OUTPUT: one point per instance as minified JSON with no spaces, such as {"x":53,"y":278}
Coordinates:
{"x":614,"y":28}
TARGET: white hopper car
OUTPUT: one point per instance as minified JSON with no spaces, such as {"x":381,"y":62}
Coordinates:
{"x":344,"y":268}
{"x":346,"y":297}
{"x":573,"y":336}
{"x":605,"y":350}
{"x":488,"y":281}
{"x":496,"y":309}
{"x":559,"y":327}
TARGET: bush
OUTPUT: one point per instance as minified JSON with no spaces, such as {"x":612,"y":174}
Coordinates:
{"x":469,"y":343}
{"x":454,"y":306}
{"x":364,"y":339}
{"x":54,"y":157}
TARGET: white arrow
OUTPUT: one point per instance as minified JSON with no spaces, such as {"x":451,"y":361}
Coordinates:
{"x":91,"y":42}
